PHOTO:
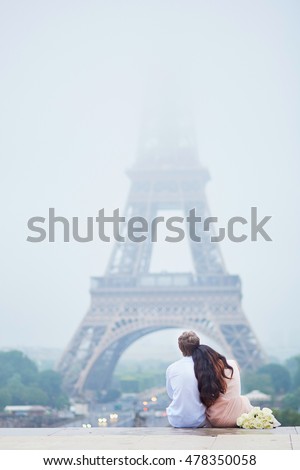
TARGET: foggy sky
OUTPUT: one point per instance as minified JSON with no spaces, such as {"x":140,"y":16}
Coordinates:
{"x":74,"y":77}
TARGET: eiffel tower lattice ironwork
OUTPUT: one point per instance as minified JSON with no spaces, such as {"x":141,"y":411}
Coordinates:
{"x":129,"y":302}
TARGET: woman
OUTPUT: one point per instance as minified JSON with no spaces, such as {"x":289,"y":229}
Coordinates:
{"x":219,"y":386}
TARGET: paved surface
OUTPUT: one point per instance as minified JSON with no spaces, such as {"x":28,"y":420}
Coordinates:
{"x":283,"y":438}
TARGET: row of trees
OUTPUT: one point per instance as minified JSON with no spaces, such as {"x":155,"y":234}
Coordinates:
{"x":282,"y":382}
{"x":21,"y":383}
{"x":277,"y":380}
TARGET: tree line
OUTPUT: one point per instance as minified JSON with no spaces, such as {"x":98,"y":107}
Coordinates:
{"x":282,"y":382}
{"x":21,"y":383}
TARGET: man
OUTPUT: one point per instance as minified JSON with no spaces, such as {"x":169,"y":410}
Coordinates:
{"x":186,"y":409}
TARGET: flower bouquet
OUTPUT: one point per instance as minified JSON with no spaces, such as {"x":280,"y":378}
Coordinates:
{"x":258,"y":419}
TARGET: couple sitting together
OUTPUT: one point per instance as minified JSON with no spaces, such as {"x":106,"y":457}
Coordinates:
{"x":204,"y":387}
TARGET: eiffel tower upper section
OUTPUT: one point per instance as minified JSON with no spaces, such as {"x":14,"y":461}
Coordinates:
{"x":167,"y":175}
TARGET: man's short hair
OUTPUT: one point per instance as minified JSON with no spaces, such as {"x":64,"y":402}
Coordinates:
{"x":188,"y":341}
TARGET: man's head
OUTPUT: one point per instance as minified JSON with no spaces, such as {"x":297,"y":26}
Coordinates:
{"x":188,"y":341}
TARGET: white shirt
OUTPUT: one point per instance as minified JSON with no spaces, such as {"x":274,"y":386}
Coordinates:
{"x":186,"y":409}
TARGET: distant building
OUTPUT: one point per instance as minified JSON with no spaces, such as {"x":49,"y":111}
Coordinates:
{"x":26,"y":410}
{"x":80,"y":409}
{"x":258,"y":398}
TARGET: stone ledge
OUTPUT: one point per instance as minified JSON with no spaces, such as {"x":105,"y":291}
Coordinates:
{"x":283,"y":438}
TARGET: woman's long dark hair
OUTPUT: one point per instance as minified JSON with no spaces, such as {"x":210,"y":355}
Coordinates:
{"x":209,"y":367}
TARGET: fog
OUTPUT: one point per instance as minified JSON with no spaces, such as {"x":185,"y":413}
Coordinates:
{"x":75,"y":79}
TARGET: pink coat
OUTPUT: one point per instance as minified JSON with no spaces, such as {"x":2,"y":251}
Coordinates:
{"x":230,"y":405}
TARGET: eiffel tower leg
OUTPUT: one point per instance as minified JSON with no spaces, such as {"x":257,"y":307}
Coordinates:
{"x":236,"y":332}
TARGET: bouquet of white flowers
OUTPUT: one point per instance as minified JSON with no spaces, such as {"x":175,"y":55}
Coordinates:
{"x":258,"y":419}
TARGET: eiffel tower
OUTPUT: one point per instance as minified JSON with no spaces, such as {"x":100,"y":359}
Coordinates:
{"x":129,"y":301}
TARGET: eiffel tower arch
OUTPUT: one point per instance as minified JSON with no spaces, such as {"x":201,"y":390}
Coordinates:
{"x":129,"y":301}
